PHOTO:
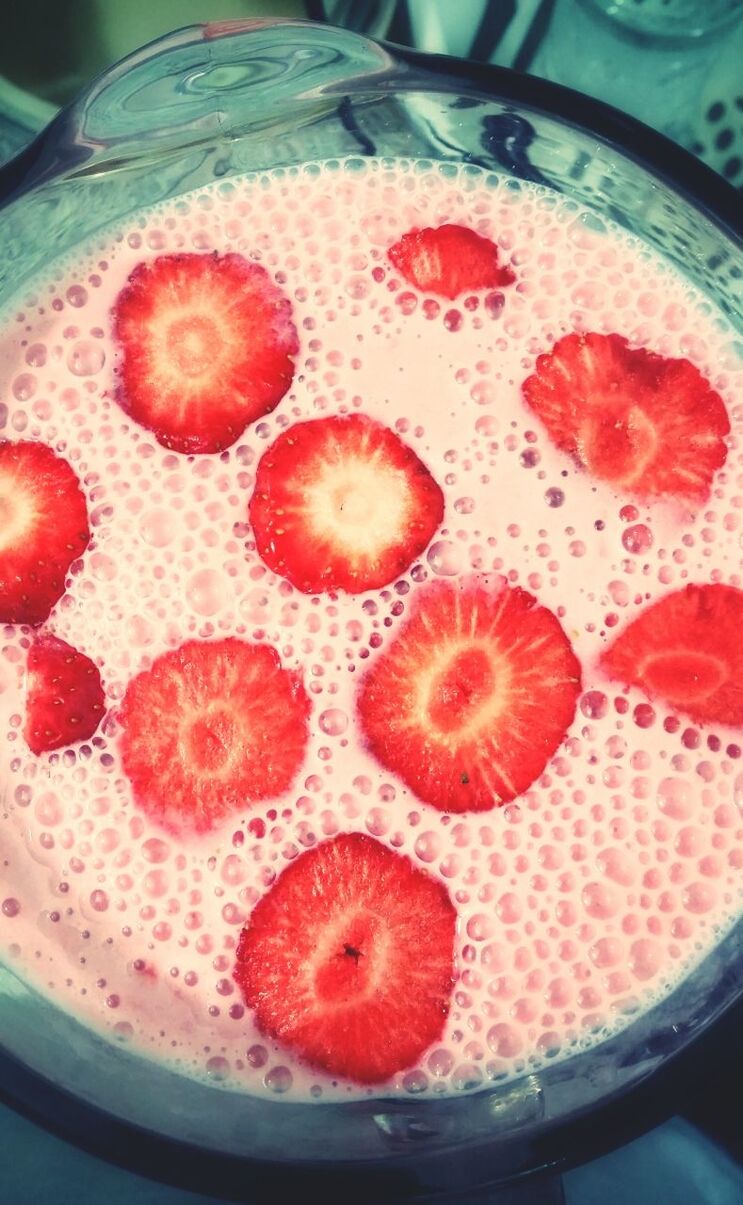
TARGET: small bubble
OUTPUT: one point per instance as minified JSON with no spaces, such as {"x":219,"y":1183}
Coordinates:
{"x":36,"y":355}
{"x":77,"y":296}
{"x":257,"y":1056}
{"x":85,"y":358}
{"x":465,"y":1077}
{"x":594,"y":704}
{"x":333,"y":722}
{"x":278,"y":1079}
{"x":699,"y":897}
{"x":234,"y":870}
{"x":415,"y":1082}
{"x":508,"y":908}
{"x":644,"y":715}
{"x":637,"y":539}
{"x":483,"y":393}
{"x":158,"y":527}
{"x":480,"y":927}
{"x":445,"y":558}
{"x":599,"y":900}
{"x":487,"y":425}
{"x":428,"y":846}
{"x":48,"y":810}
{"x":504,"y":1040}
{"x":24,"y":387}
{"x":554,"y":496}
{"x":217,"y":1068}
{"x":440,"y":1062}
{"x":206,"y":591}
{"x":675,"y":798}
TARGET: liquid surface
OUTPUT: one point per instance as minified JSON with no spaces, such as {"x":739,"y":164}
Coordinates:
{"x":582,"y":903}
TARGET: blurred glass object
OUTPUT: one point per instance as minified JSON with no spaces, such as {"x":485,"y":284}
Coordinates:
{"x":22,"y":115}
{"x":651,"y":59}
{"x":53,"y":48}
{"x":372,"y":17}
{"x":685,"y":19}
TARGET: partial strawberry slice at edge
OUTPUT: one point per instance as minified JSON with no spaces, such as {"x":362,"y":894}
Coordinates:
{"x":43,"y":529}
{"x":646,"y":424}
{"x":65,"y":700}
{"x":685,"y":649}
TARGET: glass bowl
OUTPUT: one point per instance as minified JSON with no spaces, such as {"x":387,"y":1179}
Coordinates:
{"x":207,"y":103}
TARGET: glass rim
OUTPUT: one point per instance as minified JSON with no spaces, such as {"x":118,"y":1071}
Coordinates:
{"x":658,"y":155}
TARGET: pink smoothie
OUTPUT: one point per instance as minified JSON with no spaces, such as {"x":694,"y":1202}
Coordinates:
{"x":581,"y":904}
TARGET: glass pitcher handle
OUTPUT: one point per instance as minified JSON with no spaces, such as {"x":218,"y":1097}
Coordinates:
{"x":221,"y":81}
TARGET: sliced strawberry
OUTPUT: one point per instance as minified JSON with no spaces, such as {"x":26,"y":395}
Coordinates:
{"x":206,"y":345}
{"x":644,"y":423}
{"x":474,"y":696}
{"x":210,"y":728}
{"x":687,"y":650}
{"x":449,"y":261}
{"x":64,"y":696}
{"x":342,"y":503}
{"x":43,"y":529}
{"x":349,"y":958}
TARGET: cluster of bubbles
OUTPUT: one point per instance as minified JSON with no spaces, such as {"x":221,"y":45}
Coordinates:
{"x":580,"y":904}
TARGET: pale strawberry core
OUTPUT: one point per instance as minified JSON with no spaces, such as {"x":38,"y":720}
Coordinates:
{"x":194,"y":344}
{"x":461,"y":690}
{"x":362,"y":506}
{"x":348,"y":971}
{"x":17,"y":511}
{"x":683,"y":675}
{"x":618,"y":446}
{"x":211,"y":739}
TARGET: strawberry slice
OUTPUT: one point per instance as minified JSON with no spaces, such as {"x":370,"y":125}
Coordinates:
{"x":342,"y":503}
{"x":686,"y":649}
{"x":210,"y":728}
{"x":349,"y":958}
{"x":43,"y":529}
{"x":64,"y":695}
{"x":206,"y":345}
{"x":449,"y":261}
{"x":474,"y":696}
{"x":647,"y":424}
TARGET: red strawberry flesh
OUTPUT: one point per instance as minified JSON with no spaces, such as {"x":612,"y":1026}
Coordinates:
{"x":449,"y":261}
{"x":43,"y":529}
{"x":686,"y":650}
{"x":473,"y":697}
{"x":210,"y":728}
{"x":349,"y":959}
{"x":64,"y":696}
{"x":648,"y":425}
{"x":342,"y":504}
{"x":206,"y":348}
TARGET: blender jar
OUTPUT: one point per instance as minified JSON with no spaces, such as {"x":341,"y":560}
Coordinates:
{"x":213,"y":102}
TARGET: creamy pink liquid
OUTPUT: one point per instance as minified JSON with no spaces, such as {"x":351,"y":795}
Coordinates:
{"x":582,"y":903}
